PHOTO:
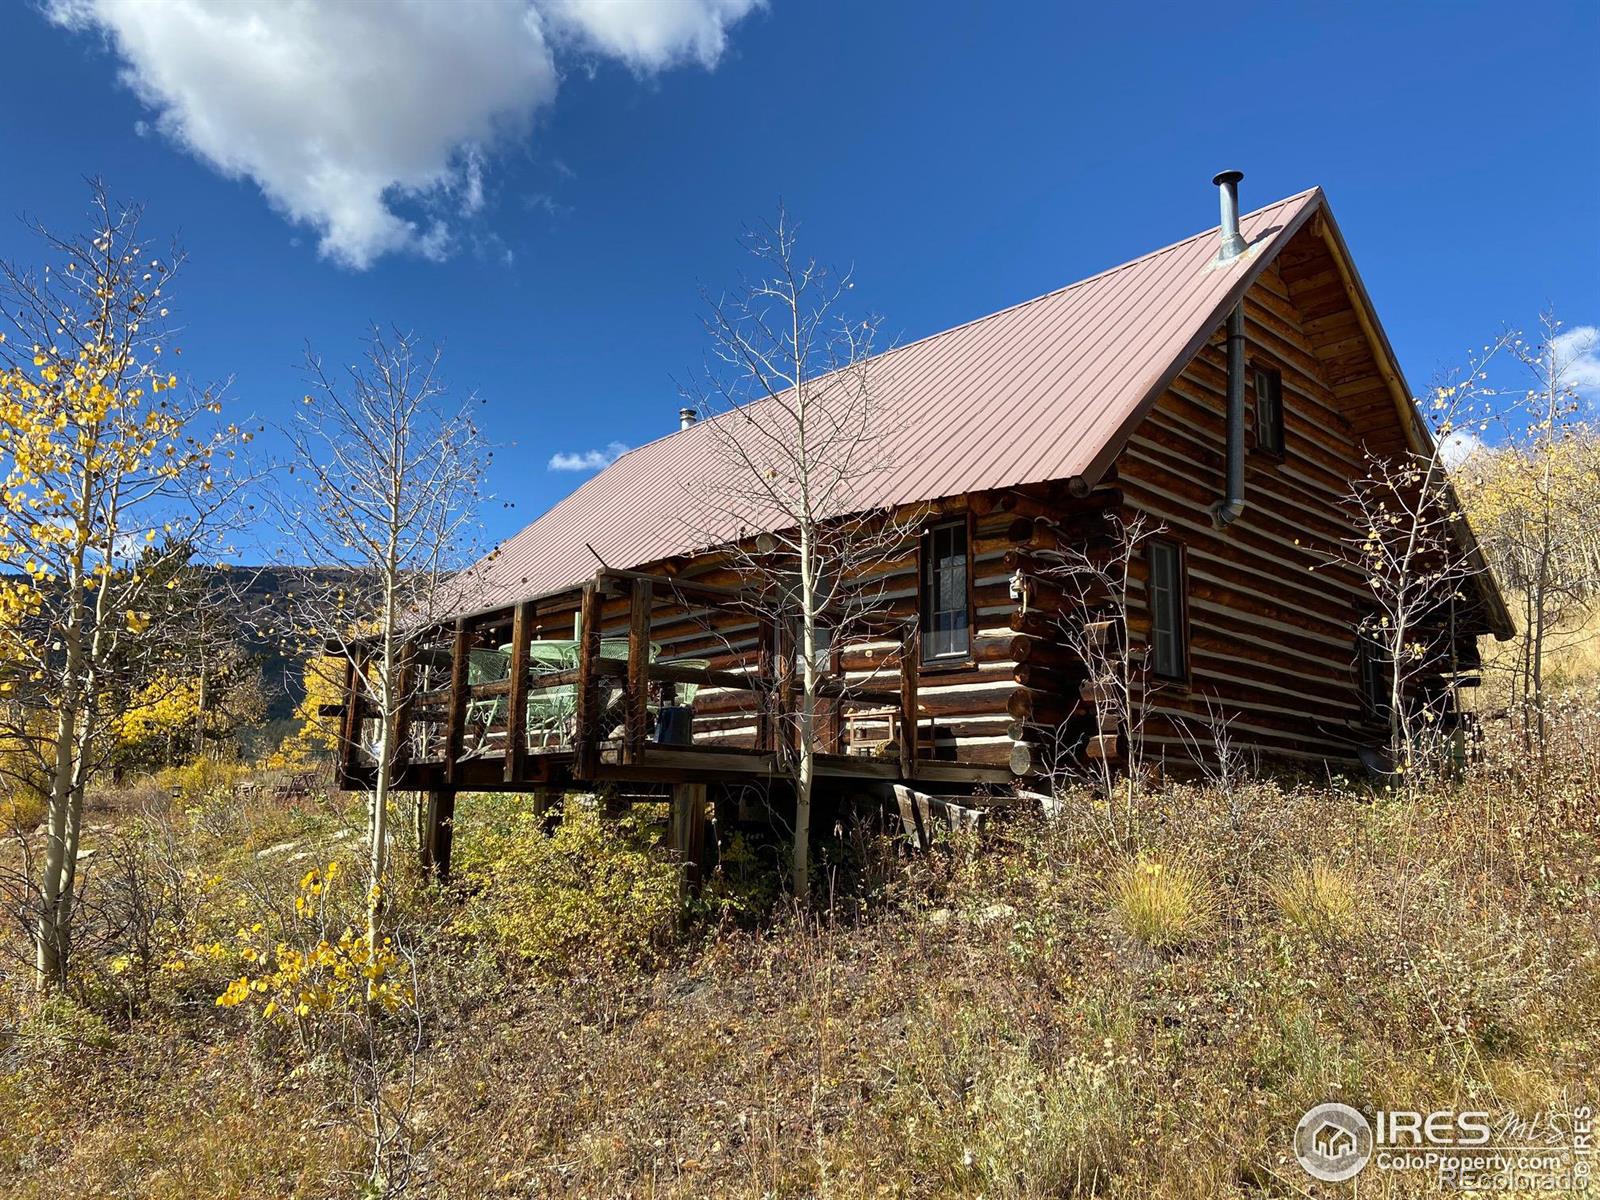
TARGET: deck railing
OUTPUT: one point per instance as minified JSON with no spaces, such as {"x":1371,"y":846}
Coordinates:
{"x":589,"y":700}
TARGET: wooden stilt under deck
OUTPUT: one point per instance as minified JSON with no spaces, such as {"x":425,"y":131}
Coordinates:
{"x":547,"y":804}
{"x":438,"y":832}
{"x":687,"y":829}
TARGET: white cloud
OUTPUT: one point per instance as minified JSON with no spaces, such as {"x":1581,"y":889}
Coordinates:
{"x":1576,"y":355}
{"x":648,"y":35}
{"x":588,"y":460}
{"x":1458,"y":446}
{"x":372,"y":122}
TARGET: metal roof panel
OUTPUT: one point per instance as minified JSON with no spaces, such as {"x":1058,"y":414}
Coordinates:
{"x":1040,"y":391}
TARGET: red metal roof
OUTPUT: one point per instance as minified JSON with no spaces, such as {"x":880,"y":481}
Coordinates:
{"x":1044,"y":390}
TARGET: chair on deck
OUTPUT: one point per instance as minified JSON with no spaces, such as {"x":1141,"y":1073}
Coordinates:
{"x":485,"y":666}
{"x":551,"y":709}
{"x":617,"y":649}
{"x":613,"y":692}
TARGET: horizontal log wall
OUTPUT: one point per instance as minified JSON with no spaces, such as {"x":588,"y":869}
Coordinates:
{"x":1272,"y":646}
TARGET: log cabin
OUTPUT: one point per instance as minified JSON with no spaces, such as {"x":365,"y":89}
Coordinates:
{"x":1222,"y":392}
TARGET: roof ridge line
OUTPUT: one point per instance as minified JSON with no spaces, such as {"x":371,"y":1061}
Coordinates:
{"x":999,"y":312}
{"x":1101,"y":274}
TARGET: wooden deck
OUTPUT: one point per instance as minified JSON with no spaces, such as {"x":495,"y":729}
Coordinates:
{"x":583,"y":714}
{"x":558,"y":771}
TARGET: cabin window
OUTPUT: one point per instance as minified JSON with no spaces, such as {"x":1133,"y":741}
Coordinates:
{"x":1269,"y":410}
{"x":946,"y":615}
{"x":1168,"y":634}
{"x":1375,"y":676}
{"x":824,"y":643}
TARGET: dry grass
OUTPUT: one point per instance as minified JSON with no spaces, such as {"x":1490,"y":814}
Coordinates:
{"x":1045,"y":1016}
{"x":1163,"y":905}
{"x":1571,"y":656}
{"x":1318,"y":899}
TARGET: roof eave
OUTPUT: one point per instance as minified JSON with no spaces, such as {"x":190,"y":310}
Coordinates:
{"x":1418,"y":436}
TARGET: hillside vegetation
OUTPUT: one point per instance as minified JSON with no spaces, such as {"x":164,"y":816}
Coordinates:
{"x":1127,"y":1001}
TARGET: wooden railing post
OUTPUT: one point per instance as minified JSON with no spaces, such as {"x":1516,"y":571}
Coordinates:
{"x":908,"y":703}
{"x":517,"y":699}
{"x":783,"y":684}
{"x":406,"y":685}
{"x":456,"y":725}
{"x":830,"y":709}
{"x":586,"y":745}
{"x":767,"y":695}
{"x":638,"y":694}
{"x":350,"y":723}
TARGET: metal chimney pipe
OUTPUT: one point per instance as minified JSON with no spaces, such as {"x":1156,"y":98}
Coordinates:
{"x":687,"y":417}
{"x":1233,"y":244}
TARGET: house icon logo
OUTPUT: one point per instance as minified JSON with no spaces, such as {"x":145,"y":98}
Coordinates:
{"x":1333,"y":1142}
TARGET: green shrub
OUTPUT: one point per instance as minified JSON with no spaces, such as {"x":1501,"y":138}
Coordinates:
{"x":201,"y":778}
{"x":587,"y":893}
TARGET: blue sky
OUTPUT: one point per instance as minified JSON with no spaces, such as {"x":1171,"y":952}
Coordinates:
{"x":556,"y":199}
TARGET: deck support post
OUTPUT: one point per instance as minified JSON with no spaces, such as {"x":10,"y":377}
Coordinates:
{"x":547,"y":804}
{"x":909,"y":729}
{"x":767,"y":697}
{"x":687,"y":829}
{"x":437,"y":833}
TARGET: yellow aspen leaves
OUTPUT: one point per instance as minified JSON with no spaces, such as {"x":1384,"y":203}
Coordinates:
{"x":319,"y":975}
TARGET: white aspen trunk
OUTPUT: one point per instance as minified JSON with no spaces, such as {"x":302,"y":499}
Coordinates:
{"x":87,"y":709}
{"x":800,"y":877}
{"x":53,"y":935}
{"x":801,"y":874}
{"x":1405,"y":601}
{"x":378,"y":827}
{"x":1399,"y":732}
{"x":87,"y":728}
{"x":378,"y":816}
{"x":61,"y":846}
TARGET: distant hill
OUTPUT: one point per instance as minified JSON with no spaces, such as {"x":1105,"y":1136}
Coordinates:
{"x":261,"y":599}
